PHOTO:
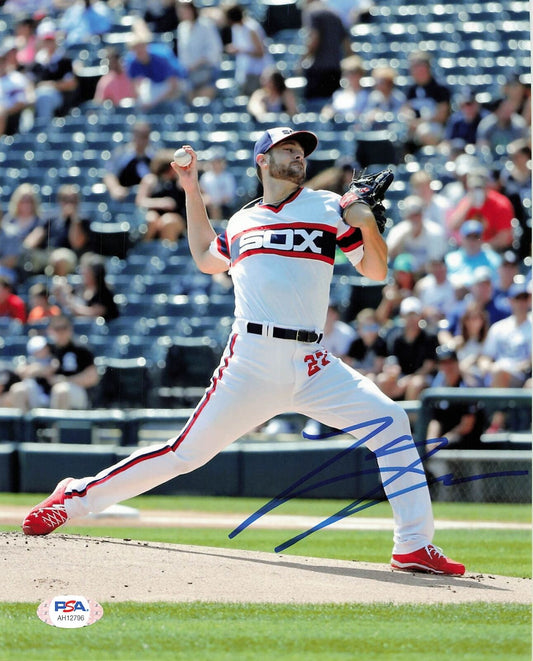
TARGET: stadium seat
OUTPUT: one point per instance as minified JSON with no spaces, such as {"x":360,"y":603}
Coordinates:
{"x":161,"y":249}
{"x":176,"y":307}
{"x":135,"y":305}
{"x":130,"y":346}
{"x":118,"y":282}
{"x":6,"y":190}
{"x":284,"y":15}
{"x":86,"y":326}
{"x":11,"y":424}
{"x":375,"y":148}
{"x":13,"y":346}
{"x":11,"y":328}
{"x":188,"y":367}
{"x":151,"y":284}
{"x":157,"y":327}
{"x":124,"y":383}
{"x":111,"y":239}
{"x":220,"y":306}
{"x":215,"y":328}
{"x":122,"y":325}
{"x":138,"y":264}
{"x":178,"y":265}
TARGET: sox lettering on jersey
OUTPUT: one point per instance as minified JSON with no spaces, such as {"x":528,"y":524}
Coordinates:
{"x":282,"y":240}
{"x":290,"y":241}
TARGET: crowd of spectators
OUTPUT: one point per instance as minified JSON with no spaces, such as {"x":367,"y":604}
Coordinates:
{"x":456,"y":308}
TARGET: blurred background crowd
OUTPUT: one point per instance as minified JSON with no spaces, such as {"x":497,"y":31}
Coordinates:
{"x":94,"y":265}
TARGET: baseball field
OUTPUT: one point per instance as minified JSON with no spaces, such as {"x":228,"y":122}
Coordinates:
{"x":173,"y":585}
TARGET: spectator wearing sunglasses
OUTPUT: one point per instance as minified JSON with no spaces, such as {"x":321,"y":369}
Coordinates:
{"x":463,"y":123}
{"x":506,"y":357}
{"x":76,"y":372}
{"x":65,"y":228}
{"x":368,"y":351}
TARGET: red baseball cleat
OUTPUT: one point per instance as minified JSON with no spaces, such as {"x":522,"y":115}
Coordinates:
{"x":49,"y":514}
{"x":429,"y":559}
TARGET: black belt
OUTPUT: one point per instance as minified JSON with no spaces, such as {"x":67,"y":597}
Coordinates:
{"x":286,"y":333}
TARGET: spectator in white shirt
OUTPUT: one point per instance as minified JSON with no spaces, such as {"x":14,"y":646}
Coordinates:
{"x":248,"y":46}
{"x":435,"y":291}
{"x":423,"y":239}
{"x":507,"y":349}
{"x":500,"y":127}
{"x":199,"y":50}
{"x":338,"y":335}
{"x":436,"y":206}
{"x":352,"y":97}
{"x":219,"y":188}
{"x":506,"y":359}
{"x":385,"y":101}
{"x":16,"y":91}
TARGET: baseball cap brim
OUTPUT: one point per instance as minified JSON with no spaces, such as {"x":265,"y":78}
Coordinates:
{"x":36,"y":344}
{"x":411,"y":304}
{"x":518,"y":289}
{"x":471,"y":227}
{"x":275,"y":136}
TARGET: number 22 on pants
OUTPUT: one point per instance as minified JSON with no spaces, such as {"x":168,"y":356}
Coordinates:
{"x":316,"y":361}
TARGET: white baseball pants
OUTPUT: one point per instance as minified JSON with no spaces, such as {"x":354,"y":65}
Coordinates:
{"x":258,"y":378}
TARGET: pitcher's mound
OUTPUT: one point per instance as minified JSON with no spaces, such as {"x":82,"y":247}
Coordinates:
{"x":126,"y":570}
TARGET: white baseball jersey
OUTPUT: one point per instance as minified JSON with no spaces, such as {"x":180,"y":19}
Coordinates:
{"x":281,"y":257}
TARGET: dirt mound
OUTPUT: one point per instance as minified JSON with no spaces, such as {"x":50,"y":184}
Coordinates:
{"x":126,"y":570}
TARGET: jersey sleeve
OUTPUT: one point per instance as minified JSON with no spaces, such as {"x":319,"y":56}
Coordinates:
{"x":350,"y":241}
{"x":220,"y":248}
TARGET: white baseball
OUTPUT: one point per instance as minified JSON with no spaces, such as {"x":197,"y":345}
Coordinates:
{"x":182,"y":157}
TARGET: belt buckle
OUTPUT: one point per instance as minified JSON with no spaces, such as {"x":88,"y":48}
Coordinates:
{"x":306,"y":336}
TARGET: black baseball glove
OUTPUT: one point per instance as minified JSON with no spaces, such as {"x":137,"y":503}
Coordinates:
{"x":369,"y":189}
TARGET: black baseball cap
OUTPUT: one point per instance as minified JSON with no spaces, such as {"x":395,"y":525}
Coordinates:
{"x":272,"y":137}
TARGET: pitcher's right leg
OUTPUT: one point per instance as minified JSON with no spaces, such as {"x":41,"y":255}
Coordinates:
{"x":236,"y":401}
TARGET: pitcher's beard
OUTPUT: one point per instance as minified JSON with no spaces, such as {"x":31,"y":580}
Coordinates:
{"x":294,"y":172}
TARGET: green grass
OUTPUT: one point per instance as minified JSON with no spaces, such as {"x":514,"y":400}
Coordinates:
{"x":510,"y":512}
{"x":214,"y":632}
{"x":251,"y":632}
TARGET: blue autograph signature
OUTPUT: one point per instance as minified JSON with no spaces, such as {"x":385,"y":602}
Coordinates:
{"x":374,"y":496}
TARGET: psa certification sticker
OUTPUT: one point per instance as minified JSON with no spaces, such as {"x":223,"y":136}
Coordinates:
{"x":69,"y":611}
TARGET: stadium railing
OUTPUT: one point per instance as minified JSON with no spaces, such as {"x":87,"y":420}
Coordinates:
{"x":515,"y":401}
{"x":498,"y":471}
